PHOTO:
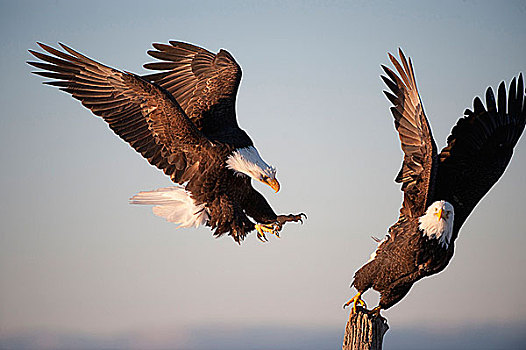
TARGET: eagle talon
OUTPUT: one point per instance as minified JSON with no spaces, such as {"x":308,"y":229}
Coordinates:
{"x":357,"y":299}
{"x":268,"y":228}
{"x":263,"y":238}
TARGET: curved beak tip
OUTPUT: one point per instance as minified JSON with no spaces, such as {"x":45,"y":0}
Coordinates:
{"x":274,"y":184}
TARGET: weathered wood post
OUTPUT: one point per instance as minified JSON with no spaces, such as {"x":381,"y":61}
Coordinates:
{"x":364,"y":331}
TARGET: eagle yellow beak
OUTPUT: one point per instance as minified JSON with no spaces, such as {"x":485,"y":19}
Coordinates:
{"x":439,"y":214}
{"x":274,"y":184}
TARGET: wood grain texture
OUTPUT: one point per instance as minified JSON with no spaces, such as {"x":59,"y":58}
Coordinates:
{"x":364,"y":331}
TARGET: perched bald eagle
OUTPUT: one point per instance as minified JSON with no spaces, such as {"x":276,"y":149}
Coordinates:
{"x":183,"y":121}
{"x":440,"y":190}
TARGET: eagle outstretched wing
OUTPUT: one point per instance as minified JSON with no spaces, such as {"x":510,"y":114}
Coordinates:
{"x":204,"y":84}
{"x":143,"y":115}
{"x":415,"y":137}
{"x":479,"y":149}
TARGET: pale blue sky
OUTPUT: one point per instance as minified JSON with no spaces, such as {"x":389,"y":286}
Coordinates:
{"x":77,"y":259}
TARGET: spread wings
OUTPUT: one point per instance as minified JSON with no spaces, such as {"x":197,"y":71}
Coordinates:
{"x":478,"y":151}
{"x":205,"y":86}
{"x":143,"y":115}
{"x":479,"y":148}
{"x":415,"y":136}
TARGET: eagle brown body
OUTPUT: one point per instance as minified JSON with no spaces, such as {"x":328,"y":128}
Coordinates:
{"x":477,"y":153}
{"x":400,"y":262}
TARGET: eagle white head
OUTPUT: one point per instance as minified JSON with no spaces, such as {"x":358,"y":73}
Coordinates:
{"x":248,"y":161}
{"x":437,"y":222}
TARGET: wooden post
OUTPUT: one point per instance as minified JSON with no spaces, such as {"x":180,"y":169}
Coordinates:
{"x":364,"y":331}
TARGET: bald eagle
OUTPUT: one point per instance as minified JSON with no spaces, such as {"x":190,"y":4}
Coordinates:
{"x":440,"y":190}
{"x":183,"y":121}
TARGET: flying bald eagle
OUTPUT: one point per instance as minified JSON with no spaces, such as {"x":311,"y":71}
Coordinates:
{"x":183,"y":121}
{"x":440,"y":190}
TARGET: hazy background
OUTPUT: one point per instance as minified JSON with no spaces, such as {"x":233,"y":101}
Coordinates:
{"x":81,"y":268}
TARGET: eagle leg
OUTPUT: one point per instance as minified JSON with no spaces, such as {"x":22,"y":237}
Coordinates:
{"x":357,"y":299}
{"x":291,"y":217}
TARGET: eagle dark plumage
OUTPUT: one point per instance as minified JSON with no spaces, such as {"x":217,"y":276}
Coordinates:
{"x":440,"y":190}
{"x":182,"y":119}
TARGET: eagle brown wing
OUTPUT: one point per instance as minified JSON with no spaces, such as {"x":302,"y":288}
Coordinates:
{"x":415,"y":137}
{"x":479,"y":149}
{"x":204,"y":84}
{"x":140,"y":113}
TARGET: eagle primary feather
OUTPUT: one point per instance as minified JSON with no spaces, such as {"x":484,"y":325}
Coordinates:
{"x":183,"y":121}
{"x":440,"y":190}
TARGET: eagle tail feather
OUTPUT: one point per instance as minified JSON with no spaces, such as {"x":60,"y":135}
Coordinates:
{"x":175,"y":204}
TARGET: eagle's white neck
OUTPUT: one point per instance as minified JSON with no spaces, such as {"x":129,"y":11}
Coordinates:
{"x":248,"y":161}
{"x":438,"y":227}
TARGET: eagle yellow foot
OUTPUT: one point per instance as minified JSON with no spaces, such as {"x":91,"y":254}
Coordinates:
{"x":268,"y":228}
{"x":357,"y":299}
{"x":276,"y":226}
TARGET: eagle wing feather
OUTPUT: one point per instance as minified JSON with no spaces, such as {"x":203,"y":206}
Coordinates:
{"x":204,"y":84}
{"x":479,"y":148}
{"x":415,"y":137}
{"x":137,"y":111}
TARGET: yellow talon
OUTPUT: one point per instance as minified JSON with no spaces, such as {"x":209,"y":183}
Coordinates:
{"x":356,"y":300}
{"x":262,"y":228}
{"x":261,"y":235}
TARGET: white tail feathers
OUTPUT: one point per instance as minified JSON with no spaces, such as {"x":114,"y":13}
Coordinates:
{"x":174,"y":204}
